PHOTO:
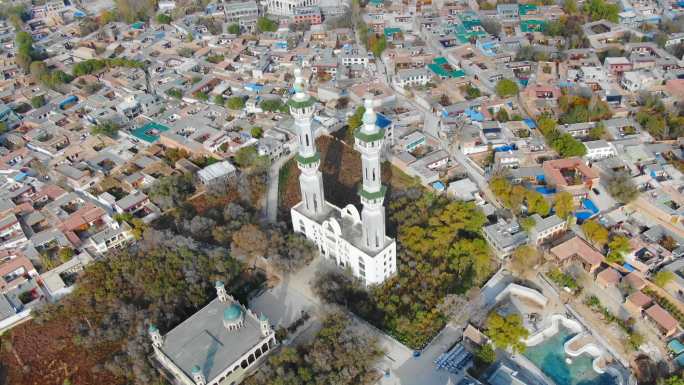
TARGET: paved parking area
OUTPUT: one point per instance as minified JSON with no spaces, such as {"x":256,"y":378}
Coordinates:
{"x":404,"y":369}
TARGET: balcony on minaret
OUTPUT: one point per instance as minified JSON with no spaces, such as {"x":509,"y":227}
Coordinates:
{"x":309,"y":162}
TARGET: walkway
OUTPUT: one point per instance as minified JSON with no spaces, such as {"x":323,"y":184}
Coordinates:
{"x":269,"y":211}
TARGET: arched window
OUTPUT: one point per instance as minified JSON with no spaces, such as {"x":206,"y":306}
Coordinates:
{"x":373,"y":175}
{"x":307,"y":139}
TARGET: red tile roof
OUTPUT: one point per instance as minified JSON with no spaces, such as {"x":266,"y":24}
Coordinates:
{"x":662,"y":317}
{"x":639,"y":299}
{"x":576,"y":246}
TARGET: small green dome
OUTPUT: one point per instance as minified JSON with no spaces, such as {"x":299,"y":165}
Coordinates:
{"x":196,"y":369}
{"x":232,"y":312}
{"x":262,"y":317}
{"x":219,"y":284}
{"x":152,"y":329}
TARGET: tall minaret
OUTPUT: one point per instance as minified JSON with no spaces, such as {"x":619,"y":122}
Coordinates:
{"x":369,"y":138}
{"x":308,"y":159}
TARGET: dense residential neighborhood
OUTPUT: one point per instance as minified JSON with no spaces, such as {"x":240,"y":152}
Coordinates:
{"x":391,"y":192}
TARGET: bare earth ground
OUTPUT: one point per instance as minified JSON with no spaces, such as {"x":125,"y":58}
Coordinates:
{"x":341,"y":168}
{"x":49,"y":356}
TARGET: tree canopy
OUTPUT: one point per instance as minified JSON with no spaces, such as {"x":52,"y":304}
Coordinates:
{"x":235,"y":103}
{"x":622,"y":188}
{"x":506,"y":332}
{"x":108,"y":128}
{"x":265,"y":24}
{"x":337,"y":355}
{"x":440,"y":251}
{"x":595,"y":233}
{"x":601,"y":9}
{"x":506,"y":88}
{"x":564,"y":204}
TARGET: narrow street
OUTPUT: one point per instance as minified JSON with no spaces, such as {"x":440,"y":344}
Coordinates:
{"x":269,"y":210}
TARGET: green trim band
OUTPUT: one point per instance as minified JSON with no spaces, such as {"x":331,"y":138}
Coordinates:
{"x":372,"y":195}
{"x":303,"y":104}
{"x":360,"y":135}
{"x":310,"y":159}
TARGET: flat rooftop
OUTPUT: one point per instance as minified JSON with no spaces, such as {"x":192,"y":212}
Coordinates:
{"x":203,"y":340}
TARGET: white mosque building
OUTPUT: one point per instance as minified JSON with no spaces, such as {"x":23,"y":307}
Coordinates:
{"x":355,"y":242}
{"x":218,"y":345}
{"x":287,"y":7}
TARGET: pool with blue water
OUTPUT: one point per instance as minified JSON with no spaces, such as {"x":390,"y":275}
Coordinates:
{"x":549,"y":356}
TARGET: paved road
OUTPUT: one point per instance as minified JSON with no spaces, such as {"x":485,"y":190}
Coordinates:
{"x":269,"y":209}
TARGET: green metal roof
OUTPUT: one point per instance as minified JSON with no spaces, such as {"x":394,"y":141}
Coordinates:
{"x":232,"y":312}
{"x":362,"y":136}
{"x":373,"y":195}
{"x":301,"y":104}
{"x":308,"y":160}
{"x":391,"y":31}
{"x":532,"y":25}
{"x":149,"y":132}
{"x":439,"y":67}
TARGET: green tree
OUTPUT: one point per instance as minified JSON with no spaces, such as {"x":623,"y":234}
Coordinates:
{"x":673,"y":380}
{"x":502,"y":115}
{"x":202,"y":96}
{"x":622,"y":188}
{"x":163,"y":18}
{"x":248,"y":157}
{"x":564,"y":204}
{"x":598,"y":131}
{"x":618,"y":247}
{"x":174,"y":93}
{"x":527,"y":223}
{"x":485,"y":354}
{"x":536,"y":203}
{"x":355,"y":358}
{"x":266,"y":25}
{"x":108,"y":128}
{"x":600,"y":9}
{"x":234,"y":29}
{"x":663,"y":277}
{"x":355,"y":121}
{"x":506,"y":88}
{"x":377,"y":44}
{"x":38,"y":101}
{"x":471,"y":92}
{"x":595,"y":233}
{"x":507,"y":332}
{"x":273,"y":105}
{"x":218,"y":100}
{"x":570,"y":6}
{"x":65,"y":254}
{"x":235,"y":103}
{"x":108,"y":16}
{"x":567,"y":146}
{"x":524,"y":259}
{"x":257,"y":132}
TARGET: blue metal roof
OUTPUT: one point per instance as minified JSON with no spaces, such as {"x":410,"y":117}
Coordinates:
{"x":382,"y":121}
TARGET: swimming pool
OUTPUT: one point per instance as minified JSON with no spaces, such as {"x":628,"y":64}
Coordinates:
{"x":549,"y":356}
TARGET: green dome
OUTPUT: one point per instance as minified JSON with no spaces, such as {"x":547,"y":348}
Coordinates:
{"x":196,"y":369}
{"x":152,"y":329}
{"x":232,"y":313}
